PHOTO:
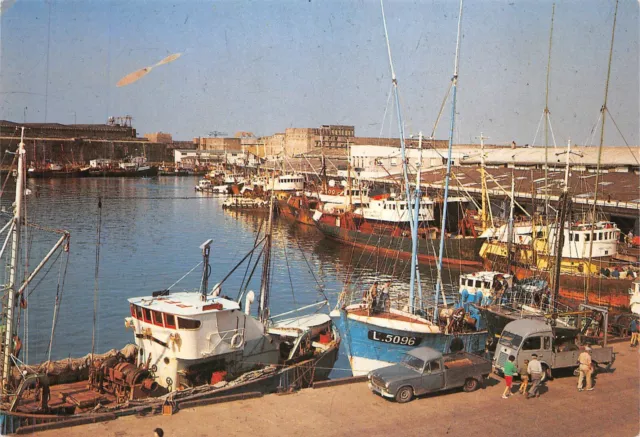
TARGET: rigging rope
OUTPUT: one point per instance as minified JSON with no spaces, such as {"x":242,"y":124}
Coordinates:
{"x":58,"y":302}
{"x":95,"y":279}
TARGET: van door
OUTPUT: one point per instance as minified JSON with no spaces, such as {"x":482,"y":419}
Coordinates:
{"x":536,"y":345}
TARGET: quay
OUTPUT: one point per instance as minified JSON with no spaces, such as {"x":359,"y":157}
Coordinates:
{"x":611,"y":409}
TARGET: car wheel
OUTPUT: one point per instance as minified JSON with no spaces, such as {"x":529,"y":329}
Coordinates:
{"x":405,"y":394}
{"x":546,"y":374}
{"x":471,"y":384}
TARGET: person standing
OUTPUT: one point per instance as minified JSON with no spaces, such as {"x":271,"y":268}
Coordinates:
{"x":384,"y":302}
{"x":585,"y":369}
{"x":523,"y":370}
{"x":634,"y":329}
{"x":509,"y":371}
{"x":630,"y":238}
{"x":535,"y":370}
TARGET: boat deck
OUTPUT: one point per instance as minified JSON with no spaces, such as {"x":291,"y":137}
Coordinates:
{"x":386,"y":315}
{"x":71,"y":397}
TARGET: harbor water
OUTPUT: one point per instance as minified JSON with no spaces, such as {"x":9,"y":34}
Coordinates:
{"x":150,"y":234}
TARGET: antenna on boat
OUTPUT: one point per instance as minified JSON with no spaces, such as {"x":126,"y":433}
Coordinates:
{"x":206,"y":269}
{"x":8,"y":347}
{"x":454,"y":82}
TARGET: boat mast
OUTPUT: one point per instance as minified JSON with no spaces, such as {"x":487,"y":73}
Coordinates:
{"x":13,"y":272}
{"x":564,"y":203}
{"x":405,"y":170}
{"x":483,"y":182}
{"x":415,"y":218}
{"x":597,"y":181}
{"x":263,"y":311}
{"x":510,"y":225}
{"x":206,"y":269}
{"x":454,"y":82}
{"x":547,"y":121}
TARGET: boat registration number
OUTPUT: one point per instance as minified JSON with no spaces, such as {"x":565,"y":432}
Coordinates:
{"x":403,"y":340}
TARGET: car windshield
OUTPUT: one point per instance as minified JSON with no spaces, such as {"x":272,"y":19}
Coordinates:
{"x":510,"y":340}
{"x":413,"y":362}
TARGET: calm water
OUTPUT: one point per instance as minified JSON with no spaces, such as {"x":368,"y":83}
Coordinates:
{"x":151,"y":233}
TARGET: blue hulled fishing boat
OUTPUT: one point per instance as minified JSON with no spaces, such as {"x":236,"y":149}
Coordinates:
{"x":375,"y":334}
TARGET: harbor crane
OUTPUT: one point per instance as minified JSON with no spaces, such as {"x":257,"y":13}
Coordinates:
{"x":216,"y":134}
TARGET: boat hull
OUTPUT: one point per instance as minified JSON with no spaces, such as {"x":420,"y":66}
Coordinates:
{"x":148,"y":172}
{"x":366,"y":353}
{"x":604,"y":291}
{"x":51,"y":174}
{"x":461,"y":252}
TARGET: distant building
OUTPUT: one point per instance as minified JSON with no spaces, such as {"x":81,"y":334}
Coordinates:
{"x":295,"y":141}
{"x":191,"y":158}
{"x":159,"y":137}
{"x":219,"y":143}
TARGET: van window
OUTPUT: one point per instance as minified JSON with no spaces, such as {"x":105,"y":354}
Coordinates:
{"x":532,"y":344}
{"x":510,"y":340}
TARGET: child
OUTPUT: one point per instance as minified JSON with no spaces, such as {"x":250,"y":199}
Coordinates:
{"x":524,"y":377}
{"x":509,"y":371}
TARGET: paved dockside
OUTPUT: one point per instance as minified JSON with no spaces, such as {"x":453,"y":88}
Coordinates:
{"x":612,"y":409}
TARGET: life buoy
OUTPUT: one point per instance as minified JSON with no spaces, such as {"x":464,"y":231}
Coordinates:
{"x":237,"y":341}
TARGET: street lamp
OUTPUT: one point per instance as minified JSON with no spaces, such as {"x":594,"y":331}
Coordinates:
{"x":24,"y":115}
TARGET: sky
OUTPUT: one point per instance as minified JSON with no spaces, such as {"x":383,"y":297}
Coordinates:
{"x":263,"y":66}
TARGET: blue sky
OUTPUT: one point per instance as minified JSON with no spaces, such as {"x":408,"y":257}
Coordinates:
{"x":262,"y":66}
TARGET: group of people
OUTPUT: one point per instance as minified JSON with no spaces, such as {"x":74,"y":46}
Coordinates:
{"x":377,"y":300}
{"x":617,"y":271}
{"x":529,"y":371}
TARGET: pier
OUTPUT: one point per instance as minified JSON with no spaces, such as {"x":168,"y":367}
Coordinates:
{"x":611,"y":409}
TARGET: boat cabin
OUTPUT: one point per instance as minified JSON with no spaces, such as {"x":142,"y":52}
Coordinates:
{"x":482,"y":287}
{"x":179,"y":332}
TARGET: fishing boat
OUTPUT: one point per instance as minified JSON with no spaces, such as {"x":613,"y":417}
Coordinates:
{"x":134,"y":167}
{"x":190,"y":345}
{"x":375,"y":333}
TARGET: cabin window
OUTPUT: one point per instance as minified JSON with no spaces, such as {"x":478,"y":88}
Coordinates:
{"x":478,"y":283}
{"x":157,"y":318}
{"x":138,"y":312}
{"x":132,"y":308}
{"x":587,"y":237}
{"x":576,"y":237}
{"x":188,"y":323}
{"x":470,"y":282}
{"x":532,"y":344}
{"x":547,"y":343}
{"x":146,"y":312}
{"x":169,"y":320}
{"x":486,"y":285}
